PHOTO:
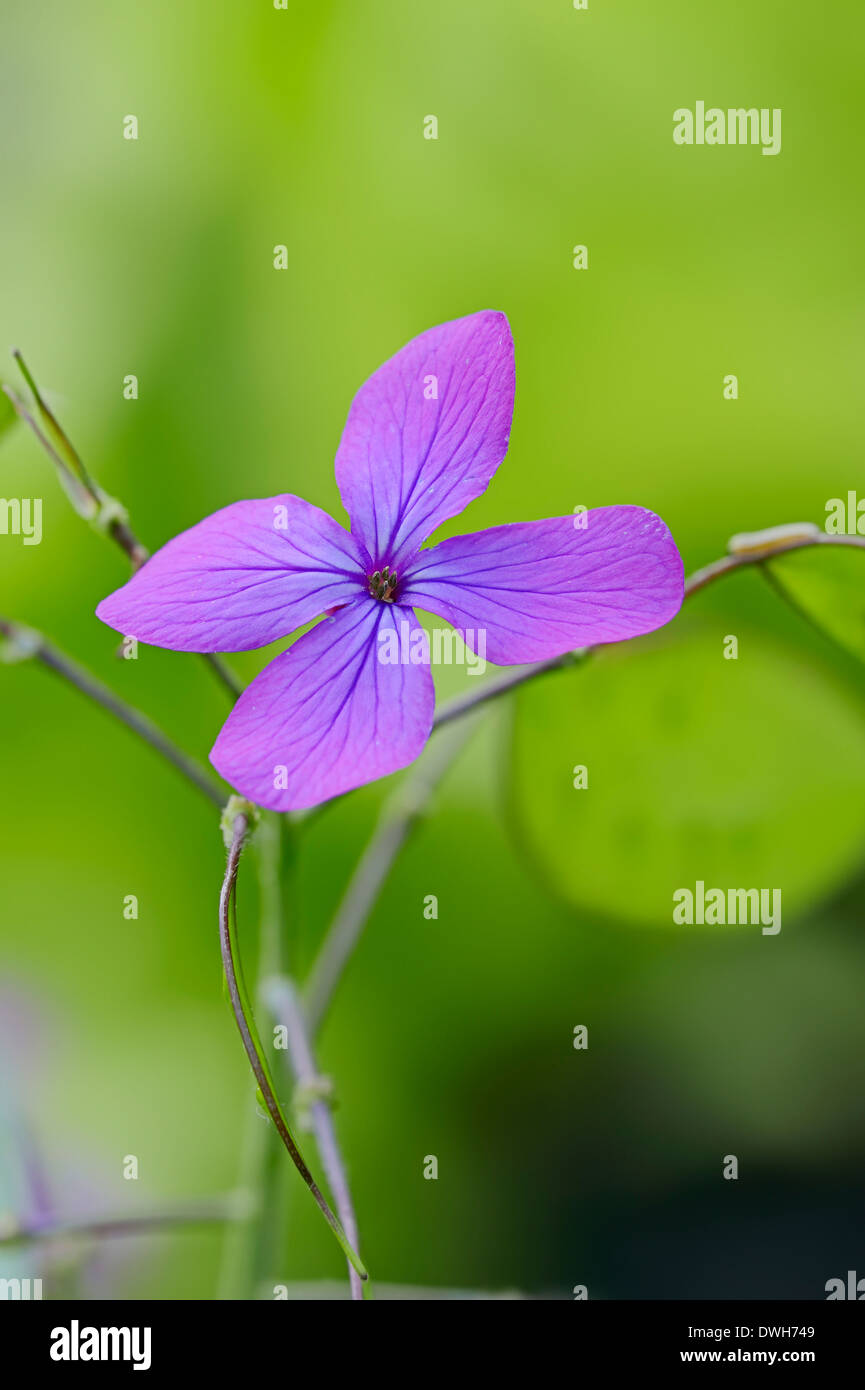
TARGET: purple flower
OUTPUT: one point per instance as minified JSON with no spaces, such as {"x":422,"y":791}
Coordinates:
{"x":423,"y":438}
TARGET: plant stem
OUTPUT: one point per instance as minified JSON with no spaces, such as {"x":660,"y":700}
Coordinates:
{"x":223,"y":674}
{"x":245,"y":1020}
{"x":206,"y":1211}
{"x":239,"y":1263}
{"x":26,"y":642}
{"x":400,"y":814}
{"x":265,"y":1172}
{"x":503,"y":685}
{"x":759,"y":556}
{"x":284,"y":1002}
{"x":247,"y":1247}
{"x":700,"y":579}
{"x":91,"y":502}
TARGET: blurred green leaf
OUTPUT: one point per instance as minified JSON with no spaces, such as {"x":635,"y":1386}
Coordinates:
{"x":743,"y":773}
{"x":827,"y":584}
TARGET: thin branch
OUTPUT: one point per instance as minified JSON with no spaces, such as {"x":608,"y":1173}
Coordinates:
{"x":26,"y":642}
{"x":280,"y":994}
{"x":503,"y":685}
{"x":400,"y":814}
{"x":755,"y":550}
{"x":223,"y":674}
{"x":90,"y":501}
{"x":758,"y":555}
{"x":245,"y":1021}
{"x":205,"y":1212}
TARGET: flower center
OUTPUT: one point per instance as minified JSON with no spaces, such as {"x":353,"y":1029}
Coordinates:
{"x":382,"y":584}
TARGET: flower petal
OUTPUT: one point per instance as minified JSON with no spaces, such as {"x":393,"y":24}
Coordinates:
{"x":426,"y":433}
{"x":327,"y":715}
{"x":241,"y":578}
{"x":541,"y":588}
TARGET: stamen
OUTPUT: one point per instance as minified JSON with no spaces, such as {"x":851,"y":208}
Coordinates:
{"x":382,"y":584}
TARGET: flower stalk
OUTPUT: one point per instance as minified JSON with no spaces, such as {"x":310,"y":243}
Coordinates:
{"x":245,"y":1019}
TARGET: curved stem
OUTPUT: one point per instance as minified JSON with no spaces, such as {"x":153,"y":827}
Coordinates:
{"x":245,"y":1020}
{"x":250,"y":1248}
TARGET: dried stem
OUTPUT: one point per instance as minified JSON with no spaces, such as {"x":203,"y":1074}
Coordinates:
{"x":245,"y":1020}
{"x":251,"y":1248}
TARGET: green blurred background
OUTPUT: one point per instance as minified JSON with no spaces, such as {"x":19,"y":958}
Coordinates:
{"x":304,"y":127}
